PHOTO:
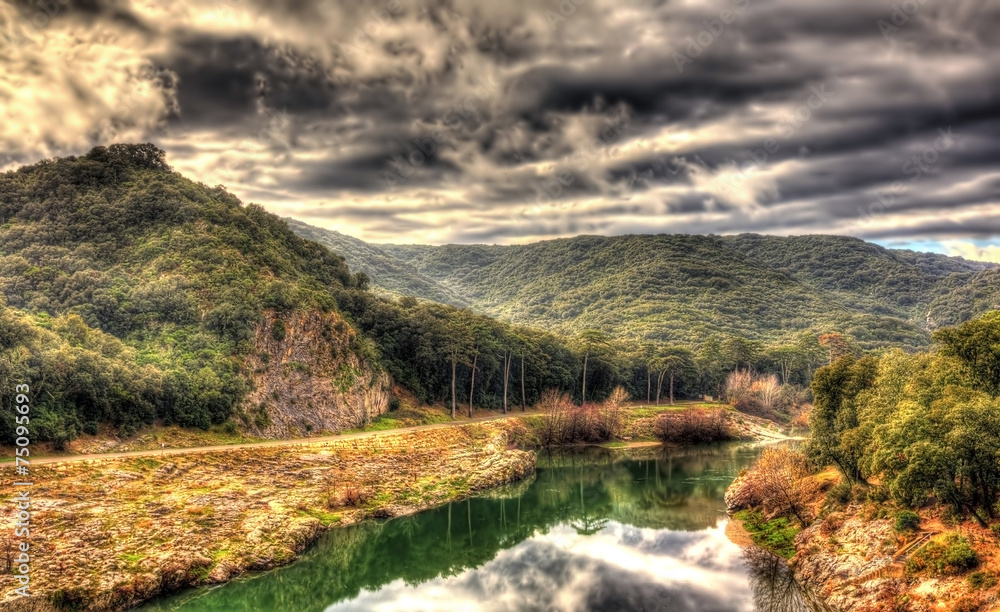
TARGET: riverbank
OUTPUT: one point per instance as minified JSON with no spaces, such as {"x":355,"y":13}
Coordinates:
{"x":110,"y":533}
{"x":859,"y":555}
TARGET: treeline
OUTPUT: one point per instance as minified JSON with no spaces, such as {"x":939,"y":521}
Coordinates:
{"x":433,"y":350}
{"x":923,"y":425}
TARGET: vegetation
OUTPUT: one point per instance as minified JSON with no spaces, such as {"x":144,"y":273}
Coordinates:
{"x":907,"y":520}
{"x":692,"y":427}
{"x":779,"y":485}
{"x":132,"y":294}
{"x":950,"y":554}
{"x":776,"y":535}
{"x":925,"y":425}
{"x":682,"y":289}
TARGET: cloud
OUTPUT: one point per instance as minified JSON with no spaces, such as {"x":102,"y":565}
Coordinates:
{"x":970,"y":250}
{"x":459,"y":120}
{"x":619,"y":568}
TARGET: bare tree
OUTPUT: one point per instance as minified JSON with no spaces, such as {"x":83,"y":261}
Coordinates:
{"x":780,"y":478}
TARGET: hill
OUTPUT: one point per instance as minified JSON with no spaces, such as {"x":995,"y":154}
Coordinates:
{"x":684,"y":288}
{"x":390,"y":274}
{"x":132,"y":294}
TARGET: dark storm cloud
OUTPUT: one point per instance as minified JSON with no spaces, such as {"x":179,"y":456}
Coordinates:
{"x":490,"y":121}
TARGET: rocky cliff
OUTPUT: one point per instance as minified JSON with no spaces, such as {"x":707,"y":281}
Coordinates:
{"x":308,"y":376}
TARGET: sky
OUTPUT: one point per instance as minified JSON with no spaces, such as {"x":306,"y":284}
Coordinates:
{"x":513,"y":121}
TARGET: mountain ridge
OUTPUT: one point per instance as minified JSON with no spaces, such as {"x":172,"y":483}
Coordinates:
{"x":881,"y":296}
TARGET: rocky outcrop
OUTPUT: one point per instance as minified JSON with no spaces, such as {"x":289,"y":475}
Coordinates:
{"x":307,"y":377}
{"x":847,"y":562}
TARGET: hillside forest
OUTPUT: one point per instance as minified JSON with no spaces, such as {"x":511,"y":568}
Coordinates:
{"x":133,"y":295}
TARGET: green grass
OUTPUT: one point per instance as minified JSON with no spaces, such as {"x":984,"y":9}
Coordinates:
{"x":325,"y":518}
{"x":776,"y":535}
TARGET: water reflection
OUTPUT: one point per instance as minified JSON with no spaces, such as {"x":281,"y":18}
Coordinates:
{"x":591,"y":531}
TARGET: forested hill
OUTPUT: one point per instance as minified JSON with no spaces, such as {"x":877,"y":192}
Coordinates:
{"x":395,"y":276}
{"x":131,"y":295}
{"x":684,"y":288}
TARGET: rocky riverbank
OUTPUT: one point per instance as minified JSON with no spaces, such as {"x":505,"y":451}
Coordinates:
{"x":108,"y":534}
{"x":855,"y":559}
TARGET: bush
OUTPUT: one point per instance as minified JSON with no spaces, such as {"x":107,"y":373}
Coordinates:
{"x":949,"y":556}
{"x":982,"y":580}
{"x":355,"y":497}
{"x":840,"y":494}
{"x":780,"y":481}
{"x":907,"y":520}
{"x":692,"y":427}
{"x":995,"y":528}
{"x":566,"y":423}
{"x":278,"y":330}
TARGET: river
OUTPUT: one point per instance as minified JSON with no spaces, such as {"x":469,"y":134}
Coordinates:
{"x":590,"y":531}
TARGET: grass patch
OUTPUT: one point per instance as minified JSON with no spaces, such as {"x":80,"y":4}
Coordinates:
{"x":615,"y":445}
{"x":325,"y":518}
{"x":776,"y":535}
{"x":132,"y":558}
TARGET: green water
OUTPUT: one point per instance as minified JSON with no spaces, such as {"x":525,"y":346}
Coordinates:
{"x":596,"y":531}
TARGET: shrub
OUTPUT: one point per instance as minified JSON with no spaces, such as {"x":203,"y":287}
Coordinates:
{"x":565,"y":423}
{"x":982,"y":580}
{"x":966,"y":603}
{"x":995,"y":528}
{"x":354,"y":497}
{"x":692,"y":427}
{"x":839,"y":494}
{"x":278,"y":330}
{"x":950,"y":555}
{"x":907,"y":520}
{"x":780,"y":480}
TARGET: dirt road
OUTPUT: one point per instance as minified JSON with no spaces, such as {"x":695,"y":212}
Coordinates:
{"x":293,"y":442}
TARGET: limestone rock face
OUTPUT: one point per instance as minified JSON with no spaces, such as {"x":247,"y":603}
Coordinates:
{"x":308,"y":376}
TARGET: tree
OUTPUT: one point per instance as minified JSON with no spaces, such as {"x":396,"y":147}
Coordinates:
{"x":455,"y":346}
{"x":591,"y":341}
{"x":670,"y":362}
{"x":740,"y":352}
{"x":788,"y":358}
{"x":976,"y":345}
{"x":834,"y":419}
{"x":711,"y":366}
{"x":836,"y":345}
{"x":780,"y":479}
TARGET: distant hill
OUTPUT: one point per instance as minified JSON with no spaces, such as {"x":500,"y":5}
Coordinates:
{"x":685,"y":288}
{"x":388,"y":272}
